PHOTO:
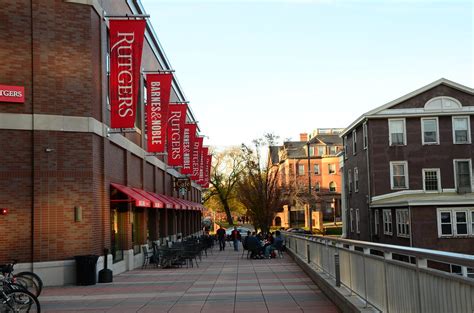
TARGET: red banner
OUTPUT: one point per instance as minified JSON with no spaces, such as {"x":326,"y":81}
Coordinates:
{"x":12,"y":94}
{"x":126,"y":43}
{"x":202,"y":164}
{"x":188,"y":144}
{"x":175,"y":132}
{"x":158,"y":98}
{"x":197,"y":147}
{"x":207,"y":171}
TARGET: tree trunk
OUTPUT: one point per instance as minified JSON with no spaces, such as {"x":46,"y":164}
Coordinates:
{"x":229,"y":215}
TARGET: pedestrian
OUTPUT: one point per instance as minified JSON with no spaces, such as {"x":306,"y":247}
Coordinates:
{"x":221,"y":238}
{"x":235,"y":236}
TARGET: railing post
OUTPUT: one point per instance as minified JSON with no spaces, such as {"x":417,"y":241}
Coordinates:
{"x":308,"y":254}
{"x":366,"y":251}
{"x":387,"y":256}
{"x":337,"y":269}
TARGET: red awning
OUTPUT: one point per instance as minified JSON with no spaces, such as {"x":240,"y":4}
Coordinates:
{"x":139,"y":199}
{"x":155,"y":202}
{"x":167,"y":203}
{"x":177,"y":205}
{"x":184,"y":205}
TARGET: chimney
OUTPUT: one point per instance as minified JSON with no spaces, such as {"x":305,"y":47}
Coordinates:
{"x":304,"y":137}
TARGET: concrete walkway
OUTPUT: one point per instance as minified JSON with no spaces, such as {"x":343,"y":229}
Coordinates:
{"x":224,"y":282}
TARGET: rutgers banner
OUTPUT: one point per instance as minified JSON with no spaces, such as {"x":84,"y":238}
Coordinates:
{"x":207,"y":171}
{"x":196,"y":157}
{"x":202,"y":165}
{"x":126,"y":43}
{"x":158,"y":98}
{"x":189,"y":136}
{"x":175,"y":133}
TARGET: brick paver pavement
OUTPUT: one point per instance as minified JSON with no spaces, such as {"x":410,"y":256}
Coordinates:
{"x":224,"y":282}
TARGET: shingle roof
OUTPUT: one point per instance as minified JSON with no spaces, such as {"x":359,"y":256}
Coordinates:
{"x":327,"y":139}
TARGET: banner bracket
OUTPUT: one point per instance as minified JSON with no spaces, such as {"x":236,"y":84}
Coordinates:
{"x":159,"y":71}
{"x":127,"y":16}
{"x":120,"y":130}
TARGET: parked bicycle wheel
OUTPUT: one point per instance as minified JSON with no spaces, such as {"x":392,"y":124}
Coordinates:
{"x":19,"y":301}
{"x":29,"y":284}
{"x":32,"y":277}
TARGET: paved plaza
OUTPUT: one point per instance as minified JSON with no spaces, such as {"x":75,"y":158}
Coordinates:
{"x":223,"y":283}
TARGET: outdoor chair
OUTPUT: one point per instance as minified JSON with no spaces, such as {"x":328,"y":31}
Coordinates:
{"x":146,"y":257}
{"x":245,"y":248}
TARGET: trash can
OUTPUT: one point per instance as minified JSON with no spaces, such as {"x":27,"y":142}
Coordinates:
{"x":86,"y":267}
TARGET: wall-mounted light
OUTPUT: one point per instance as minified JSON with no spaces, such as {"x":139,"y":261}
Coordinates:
{"x":77,"y":214}
{"x":3,"y":211}
{"x":48,"y":150}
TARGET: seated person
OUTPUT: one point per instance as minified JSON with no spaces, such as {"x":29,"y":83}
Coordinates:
{"x":254,"y":246}
{"x":277,"y":244}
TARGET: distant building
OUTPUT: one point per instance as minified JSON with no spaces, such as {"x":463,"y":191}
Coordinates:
{"x":408,"y":170}
{"x":291,"y":162}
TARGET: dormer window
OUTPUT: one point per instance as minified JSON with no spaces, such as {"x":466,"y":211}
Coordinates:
{"x":443,"y":104}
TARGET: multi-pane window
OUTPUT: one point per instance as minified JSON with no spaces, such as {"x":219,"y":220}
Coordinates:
{"x":332,"y":168}
{"x":456,"y":222}
{"x":317,"y":187}
{"x":346,"y":148}
{"x":321,"y":150}
{"x":311,"y":151}
{"x":365,"y":136}
{"x":376,"y":222}
{"x":356,"y":179}
{"x":316,"y":169}
{"x":349,"y":179}
{"x":354,"y":141}
{"x":403,"y":223}
{"x":461,"y":129}
{"x":429,"y":129}
{"x":332,"y":150}
{"x":399,"y":175}
{"x":332,"y":186}
{"x":462,"y":177}
{"x":387,"y":222}
{"x":351,"y":218}
{"x":357,"y":221}
{"x":431,"y":179}
{"x":301,"y":169}
{"x":397,"y":132}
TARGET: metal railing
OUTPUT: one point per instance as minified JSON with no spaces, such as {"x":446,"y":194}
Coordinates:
{"x":392,"y":278}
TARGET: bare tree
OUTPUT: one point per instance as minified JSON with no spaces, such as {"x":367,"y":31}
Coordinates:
{"x":258,"y":187}
{"x":226,"y":168}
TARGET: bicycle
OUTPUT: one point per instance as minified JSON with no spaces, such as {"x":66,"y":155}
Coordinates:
{"x":29,"y":280}
{"x":14,"y":298}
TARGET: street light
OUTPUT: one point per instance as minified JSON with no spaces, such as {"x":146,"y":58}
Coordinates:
{"x":309,"y":191}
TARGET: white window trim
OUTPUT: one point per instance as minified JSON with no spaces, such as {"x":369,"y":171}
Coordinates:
{"x":438,"y":174}
{"x":405,"y":164}
{"x":365,"y":136}
{"x":357,"y":221}
{"x":452,"y":211}
{"x":354,"y":142}
{"x":376,"y":222}
{"x":397,"y":214}
{"x":346,"y":153}
{"x":314,"y":169}
{"x":404,"y":131}
{"x":356,"y":179}
{"x":387,"y":222}
{"x":456,"y":176}
{"x":335,"y":168}
{"x":423,"y":131}
{"x":349,"y":180}
{"x":299,"y":172}
{"x":468,"y":129}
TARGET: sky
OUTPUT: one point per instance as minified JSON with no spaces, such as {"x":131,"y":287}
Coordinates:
{"x":250,"y":67}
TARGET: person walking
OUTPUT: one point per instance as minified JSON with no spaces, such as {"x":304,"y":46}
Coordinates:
{"x":221,"y":238}
{"x":235,"y":236}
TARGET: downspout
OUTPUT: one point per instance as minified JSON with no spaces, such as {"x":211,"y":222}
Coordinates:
{"x":371,"y":235}
{"x":32,"y":149}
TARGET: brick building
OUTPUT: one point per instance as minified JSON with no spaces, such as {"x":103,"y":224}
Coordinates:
{"x":71,"y":186}
{"x":408,"y":170}
{"x":291,"y":161}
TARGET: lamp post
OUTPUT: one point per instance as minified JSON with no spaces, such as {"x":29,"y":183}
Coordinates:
{"x":310,"y":209}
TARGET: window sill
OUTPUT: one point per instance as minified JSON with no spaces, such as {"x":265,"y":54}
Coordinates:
{"x":400,"y":188}
{"x":388,"y":234}
{"x":400,"y":145}
{"x":456,"y":236}
{"x":430,"y":143}
{"x":403,"y":236}
{"x":461,"y":143}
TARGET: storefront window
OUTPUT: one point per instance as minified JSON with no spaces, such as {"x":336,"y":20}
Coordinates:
{"x":117,"y":219}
